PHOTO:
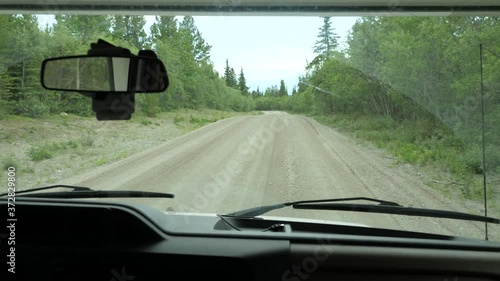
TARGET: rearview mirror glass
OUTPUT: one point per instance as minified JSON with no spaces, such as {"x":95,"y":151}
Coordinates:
{"x":104,"y":74}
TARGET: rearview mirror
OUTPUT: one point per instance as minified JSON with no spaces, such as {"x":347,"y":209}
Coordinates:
{"x":109,"y":74}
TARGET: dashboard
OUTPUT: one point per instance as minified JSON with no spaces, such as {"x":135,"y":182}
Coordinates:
{"x":80,"y":240}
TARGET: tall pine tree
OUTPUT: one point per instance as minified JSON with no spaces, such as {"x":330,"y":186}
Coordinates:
{"x":130,"y":29}
{"x":230,"y":76}
{"x":199,"y":48}
{"x":85,"y":27}
{"x":282,"y":91}
{"x":164,"y":28}
{"x":326,"y":44}
{"x":242,"y":83}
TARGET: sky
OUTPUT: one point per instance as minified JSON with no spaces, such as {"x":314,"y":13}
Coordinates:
{"x":268,"y":48}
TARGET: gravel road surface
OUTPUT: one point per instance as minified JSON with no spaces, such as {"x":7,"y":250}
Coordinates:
{"x":247,"y":161}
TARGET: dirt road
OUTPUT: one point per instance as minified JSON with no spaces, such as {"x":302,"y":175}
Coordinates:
{"x":248,"y":161}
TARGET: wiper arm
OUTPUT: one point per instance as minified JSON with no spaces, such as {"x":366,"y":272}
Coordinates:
{"x":397,"y":210}
{"x":257,"y":211}
{"x":383,"y":207}
{"x":85,"y":192}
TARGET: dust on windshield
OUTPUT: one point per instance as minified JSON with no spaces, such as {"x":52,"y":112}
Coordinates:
{"x":403,"y":109}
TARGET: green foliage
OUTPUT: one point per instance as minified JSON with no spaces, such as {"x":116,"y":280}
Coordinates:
{"x":326,"y":43}
{"x":85,"y":27}
{"x":6,"y":108}
{"x":194,"y":83}
{"x":200,"y":121}
{"x":241,"y":103}
{"x":146,"y":122}
{"x":197,"y":47}
{"x":271,"y":103}
{"x":40,"y":153}
{"x":282,"y":91}
{"x":230,"y":76}
{"x":164,"y":28}
{"x":31,"y":106}
{"x":10,"y":161}
{"x":87,"y":141}
{"x":130,"y":29}
{"x":101,"y":161}
{"x":423,"y":142}
{"x":178,"y":119}
{"x":49,"y":150}
{"x":411,"y":85}
{"x":242,"y":83}
{"x":149,"y":104}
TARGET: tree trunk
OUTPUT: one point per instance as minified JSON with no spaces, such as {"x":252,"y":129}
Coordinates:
{"x":23,"y":75}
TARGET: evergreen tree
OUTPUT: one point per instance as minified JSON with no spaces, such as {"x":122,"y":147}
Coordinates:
{"x":198,"y":47}
{"x":85,"y":28}
{"x":282,"y":91}
{"x":230,"y":76}
{"x":242,"y":83}
{"x":272,"y":91}
{"x":130,"y":29}
{"x":326,"y":43}
{"x":164,"y":28}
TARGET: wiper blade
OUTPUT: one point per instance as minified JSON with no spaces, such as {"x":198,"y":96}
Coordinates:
{"x":397,"y":210}
{"x":383,"y":207}
{"x":85,"y":192}
{"x":49,"y":187}
{"x":257,"y":211}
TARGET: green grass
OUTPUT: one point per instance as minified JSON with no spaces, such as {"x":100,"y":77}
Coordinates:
{"x":73,"y":143}
{"x":48,"y":150}
{"x":87,"y":141}
{"x":178,"y":119}
{"x":10,"y":161}
{"x":101,"y":161}
{"x":188,"y":119}
{"x":40,"y":153}
{"x":146,"y":122}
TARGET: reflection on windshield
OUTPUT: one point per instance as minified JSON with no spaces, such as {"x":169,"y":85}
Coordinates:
{"x":79,"y":74}
{"x":402,"y":109}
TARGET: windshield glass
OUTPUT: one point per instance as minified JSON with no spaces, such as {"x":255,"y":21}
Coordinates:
{"x":263,"y":110}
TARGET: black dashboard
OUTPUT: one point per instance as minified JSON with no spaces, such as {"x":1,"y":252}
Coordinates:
{"x":81,"y":240}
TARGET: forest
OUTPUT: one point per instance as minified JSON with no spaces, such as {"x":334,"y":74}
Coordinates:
{"x":194,"y":83}
{"x":424,"y":88}
{"x":411,"y":85}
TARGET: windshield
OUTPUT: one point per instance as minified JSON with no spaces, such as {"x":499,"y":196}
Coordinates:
{"x":263,"y":110}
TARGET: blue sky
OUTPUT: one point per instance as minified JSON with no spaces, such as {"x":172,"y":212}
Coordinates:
{"x":268,"y":48}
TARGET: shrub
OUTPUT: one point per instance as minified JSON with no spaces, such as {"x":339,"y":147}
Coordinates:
{"x":31,"y":107}
{"x":87,"y":141}
{"x":39,"y":154}
{"x":9,"y":161}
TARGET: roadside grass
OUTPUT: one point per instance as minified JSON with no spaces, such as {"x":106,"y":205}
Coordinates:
{"x":189,"y":120}
{"x":454,"y":164}
{"x":9,"y":161}
{"x":48,"y":150}
{"x":54,"y":147}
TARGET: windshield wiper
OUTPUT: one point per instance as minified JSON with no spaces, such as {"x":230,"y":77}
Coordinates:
{"x":257,"y":211}
{"x":383,"y":207}
{"x":85,"y":192}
